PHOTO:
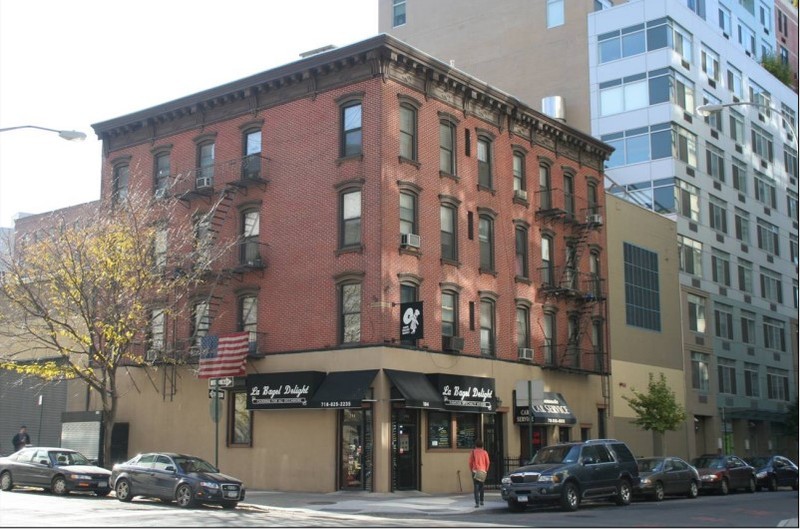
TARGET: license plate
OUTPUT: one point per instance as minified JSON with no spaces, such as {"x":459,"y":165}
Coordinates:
{"x":522,"y":498}
{"x":103,"y":484}
{"x":233,"y":494}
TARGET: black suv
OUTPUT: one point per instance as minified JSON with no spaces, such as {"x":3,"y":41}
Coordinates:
{"x":567,"y":473}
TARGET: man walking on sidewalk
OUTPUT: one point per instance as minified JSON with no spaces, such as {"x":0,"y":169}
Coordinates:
{"x":479,"y":465}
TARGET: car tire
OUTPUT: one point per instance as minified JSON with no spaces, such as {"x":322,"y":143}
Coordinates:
{"x":6,"y":483}
{"x":658,"y":495}
{"x":59,"y":485}
{"x":751,"y":485}
{"x":570,"y":497}
{"x":515,"y":506}
{"x":229,"y":504}
{"x":773,"y":484}
{"x":723,"y":487}
{"x":122,"y":489}
{"x":624,"y":492}
{"x":693,"y":490}
{"x":184,"y":496}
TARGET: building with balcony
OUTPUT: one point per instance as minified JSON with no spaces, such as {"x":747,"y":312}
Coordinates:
{"x":414,"y":254}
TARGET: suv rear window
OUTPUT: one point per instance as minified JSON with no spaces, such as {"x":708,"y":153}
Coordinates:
{"x":623,"y":452}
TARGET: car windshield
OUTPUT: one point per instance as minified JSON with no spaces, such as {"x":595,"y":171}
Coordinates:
{"x":68,"y":458}
{"x":650,"y":465}
{"x":758,"y":461}
{"x":557,"y":454}
{"x":194,"y":464}
{"x":709,"y":462}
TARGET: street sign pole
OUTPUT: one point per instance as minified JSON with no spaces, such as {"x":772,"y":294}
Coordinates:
{"x":216,"y":428}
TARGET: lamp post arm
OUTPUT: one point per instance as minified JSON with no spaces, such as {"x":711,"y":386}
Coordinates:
{"x":69,"y":135}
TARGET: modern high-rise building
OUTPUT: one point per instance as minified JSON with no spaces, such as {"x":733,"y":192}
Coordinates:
{"x":728,"y":180}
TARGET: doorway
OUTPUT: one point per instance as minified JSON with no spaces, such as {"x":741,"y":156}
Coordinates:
{"x":493,"y":444}
{"x":355,"y":449}
{"x":405,"y":449}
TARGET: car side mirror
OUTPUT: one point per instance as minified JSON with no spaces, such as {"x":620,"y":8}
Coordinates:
{"x":169,"y":468}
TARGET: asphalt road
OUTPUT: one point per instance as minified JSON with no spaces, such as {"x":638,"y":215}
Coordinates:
{"x":32,"y":508}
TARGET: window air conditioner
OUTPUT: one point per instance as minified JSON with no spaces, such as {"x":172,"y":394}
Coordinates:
{"x":151,"y":355}
{"x":411,"y":240}
{"x":452,"y":343}
{"x":595,"y":219}
{"x":525,"y":353}
{"x":521,"y":194}
{"x":161,"y":192}
{"x":204,"y":181}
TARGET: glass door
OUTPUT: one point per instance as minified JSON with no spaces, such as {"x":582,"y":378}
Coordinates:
{"x":355,"y":449}
{"x":405,"y":449}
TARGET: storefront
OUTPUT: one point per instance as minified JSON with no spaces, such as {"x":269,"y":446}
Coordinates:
{"x":542,"y":422}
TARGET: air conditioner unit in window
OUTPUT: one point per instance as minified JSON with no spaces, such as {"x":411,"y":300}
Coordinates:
{"x":521,"y":194}
{"x":204,"y":181}
{"x":525,"y":353}
{"x":161,"y":192}
{"x":452,"y":343}
{"x":411,"y":240}
{"x":594,"y":219}
{"x":151,"y":355}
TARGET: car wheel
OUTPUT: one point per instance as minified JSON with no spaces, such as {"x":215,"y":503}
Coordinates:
{"x":623,"y":493}
{"x":6,"y":483}
{"x":184,"y":496}
{"x":659,"y":493}
{"x":515,"y":506}
{"x":723,"y":488}
{"x":570,"y":497}
{"x":693,"y":491}
{"x":59,"y":485}
{"x":229,"y":504}
{"x":773,"y":483}
{"x":123,"y":490}
{"x":751,"y":485}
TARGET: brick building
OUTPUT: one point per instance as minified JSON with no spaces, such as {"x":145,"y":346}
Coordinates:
{"x":354,"y":182}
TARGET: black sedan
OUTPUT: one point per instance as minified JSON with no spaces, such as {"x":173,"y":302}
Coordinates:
{"x":774,"y":471}
{"x":661,"y":476}
{"x":59,"y":470}
{"x":185,"y":479}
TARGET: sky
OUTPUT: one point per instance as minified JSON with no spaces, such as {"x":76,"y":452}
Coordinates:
{"x":67,"y":65}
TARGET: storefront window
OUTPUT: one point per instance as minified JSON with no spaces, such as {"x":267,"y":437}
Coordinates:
{"x":356,"y":449}
{"x":467,"y":429}
{"x":438,"y":429}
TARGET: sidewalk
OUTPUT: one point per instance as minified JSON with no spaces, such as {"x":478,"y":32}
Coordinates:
{"x":374,"y":503}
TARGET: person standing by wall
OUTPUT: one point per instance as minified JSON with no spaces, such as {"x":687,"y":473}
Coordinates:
{"x":21,"y":439}
{"x":479,"y":465}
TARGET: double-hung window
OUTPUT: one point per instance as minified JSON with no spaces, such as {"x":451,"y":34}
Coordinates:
{"x":688,"y":199}
{"x":351,"y":128}
{"x":745,"y":274}
{"x":684,"y":145}
{"x":697,"y":313}
{"x":715,"y":162}
{"x":408,"y":213}
{"x":777,"y":384}
{"x":518,"y":172}
{"x":521,"y":250}
{"x":739,"y":175}
{"x":248,"y":319}
{"x":684,"y":93}
{"x":545,"y":189}
{"x":710,"y":62}
{"x":449,"y":313}
{"x":774,"y":337}
{"x":201,"y":321}
{"x":547,"y":270}
{"x":157,"y":338}
{"x":771,"y":286}
{"x":736,"y":122}
{"x":523,"y":326}
{"x":691,"y":256}
{"x":448,"y":232}
{"x":486,"y":242}
{"x":747,"y":322}
{"x":555,"y":13}
{"x":350,"y":228}
{"x":765,"y":190}
{"x":349,"y":312}
{"x":162,"y":170}
{"x":790,"y":162}
{"x":251,"y":164}
{"x":726,"y":372}
{"x":751,"y":385}
{"x":121,"y":178}
{"x":487,"y":320}
{"x":721,"y":267}
{"x":768,"y":237}
{"x":723,"y":321}
{"x":485,"y":177}
{"x":250,"y":247}
{"x":398,"y":12}
{"x":742,"y":225}
{"x":447,"y":147}
{"x":205,"y":164}
{"x":700,"y":367}
{"x":408,"y":131}
{"x":762,"y":142}
{"x":718,"y":214}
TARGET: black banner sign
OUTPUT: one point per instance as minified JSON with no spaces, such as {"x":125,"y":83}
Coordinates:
{"x":465,"y":393}
{"x":271,"y":391}
{"x":411,"y":327}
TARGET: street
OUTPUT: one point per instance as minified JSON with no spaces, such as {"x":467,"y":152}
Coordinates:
{"x":33,"y":508}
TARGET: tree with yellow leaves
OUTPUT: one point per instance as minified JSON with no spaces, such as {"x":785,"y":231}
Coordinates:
{"x":76,"y":295}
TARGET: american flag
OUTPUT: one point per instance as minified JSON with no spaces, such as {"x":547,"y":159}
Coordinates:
{"x":224,"y":355}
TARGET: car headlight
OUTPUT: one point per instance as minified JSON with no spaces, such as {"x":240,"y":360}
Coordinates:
{"x":645,"y":481}
{"x":209,"y":484}
{"x":555,"y":478}
{"x":762,"y":474}
{"x":79,"y":476}
{"x":709,"y":477}
{"x":506,"y":481}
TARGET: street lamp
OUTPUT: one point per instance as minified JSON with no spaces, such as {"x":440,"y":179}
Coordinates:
{"x":69,"y":135}
{"x":706,"y":110}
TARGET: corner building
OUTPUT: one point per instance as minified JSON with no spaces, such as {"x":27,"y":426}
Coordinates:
{"x":354,"y":182}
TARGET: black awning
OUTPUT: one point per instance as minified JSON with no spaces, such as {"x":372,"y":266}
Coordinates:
{"x":553,"y":409}
{"x":416,"y":389}
{"x":343,"y":389}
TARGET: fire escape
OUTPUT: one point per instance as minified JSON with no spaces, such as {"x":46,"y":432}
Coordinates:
{"x":581,"y":293}
{"x":213,"y":192}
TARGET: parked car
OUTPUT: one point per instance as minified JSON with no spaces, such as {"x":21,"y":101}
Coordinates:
{"x":185,"y":479}
{"x":59,"y":470}
{"x":662,"y":476}
{"x":568,"y":473}
{"x":724,"y":473}
{"x":773,"y":472}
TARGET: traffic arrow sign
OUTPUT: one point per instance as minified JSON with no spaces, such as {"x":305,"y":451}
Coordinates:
{"x":226,"y":382}
{"x":216,"y":393}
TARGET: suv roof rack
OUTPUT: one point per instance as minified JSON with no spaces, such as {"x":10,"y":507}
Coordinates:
{"x":601,"y":441}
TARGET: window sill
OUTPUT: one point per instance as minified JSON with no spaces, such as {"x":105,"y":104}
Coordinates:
{"x":521,"y":279}
{"x":521,"y":202}
{"x":487,"y":272}
{"x":350,"y":249}
{"x":482,"y":187}
{"x":353,"y":157}
{"x":453,"y":177}
{"x":450,"y":262}
{"x":409,"y":161}
{"x":408,"y":250}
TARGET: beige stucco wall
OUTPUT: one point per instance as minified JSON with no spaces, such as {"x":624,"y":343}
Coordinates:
{"x":296,"y":449}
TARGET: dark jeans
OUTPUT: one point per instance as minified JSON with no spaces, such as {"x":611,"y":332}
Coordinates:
{"x":477,"y":487}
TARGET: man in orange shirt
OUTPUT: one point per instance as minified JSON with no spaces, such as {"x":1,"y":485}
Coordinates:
{"x":479,"y":465}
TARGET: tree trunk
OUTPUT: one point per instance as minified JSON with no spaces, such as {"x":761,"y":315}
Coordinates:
{"x":658,"y":443}
{"x":109,"y":418}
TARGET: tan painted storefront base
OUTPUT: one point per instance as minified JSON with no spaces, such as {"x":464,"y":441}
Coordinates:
{"x":296,"y":449}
